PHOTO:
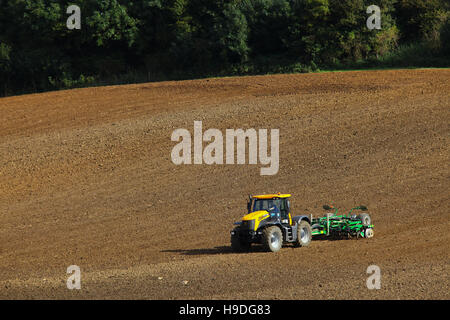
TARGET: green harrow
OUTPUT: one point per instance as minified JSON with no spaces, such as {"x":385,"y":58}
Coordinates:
{"x":339,"y":226}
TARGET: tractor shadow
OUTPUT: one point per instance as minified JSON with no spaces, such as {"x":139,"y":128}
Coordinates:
{"x":213,"y":251}
{"x":255,"y":248}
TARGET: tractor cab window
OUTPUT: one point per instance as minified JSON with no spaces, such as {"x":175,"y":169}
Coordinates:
{"x":265,"y":204}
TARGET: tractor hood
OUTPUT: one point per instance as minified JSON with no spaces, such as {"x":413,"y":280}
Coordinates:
{"x":255,"y":215}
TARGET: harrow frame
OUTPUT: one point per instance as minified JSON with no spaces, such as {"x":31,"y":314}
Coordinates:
{"x":340,"y":226}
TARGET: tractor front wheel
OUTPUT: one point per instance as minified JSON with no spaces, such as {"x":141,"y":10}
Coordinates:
{"x":238,"y":244}
{"x":272,"y":239}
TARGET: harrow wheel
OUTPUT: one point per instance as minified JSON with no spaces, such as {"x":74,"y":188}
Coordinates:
{"x":368,"y":233}
{"x":365,"y":219}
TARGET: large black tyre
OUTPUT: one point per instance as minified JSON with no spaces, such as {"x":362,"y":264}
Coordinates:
{"x":365,"y":219}
{"x":304,"y":234}
{"x":272,"y":239}
{"x":238,"y":244}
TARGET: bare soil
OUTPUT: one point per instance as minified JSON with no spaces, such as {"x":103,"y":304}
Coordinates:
{"x":86,"y":179}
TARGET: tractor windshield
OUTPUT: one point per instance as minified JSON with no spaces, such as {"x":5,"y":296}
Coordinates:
{"x":265,"y":204}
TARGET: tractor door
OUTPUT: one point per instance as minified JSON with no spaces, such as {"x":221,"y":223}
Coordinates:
{"x":285,"y":211}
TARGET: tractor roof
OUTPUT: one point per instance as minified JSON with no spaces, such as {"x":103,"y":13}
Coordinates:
{"x":271,"y":196}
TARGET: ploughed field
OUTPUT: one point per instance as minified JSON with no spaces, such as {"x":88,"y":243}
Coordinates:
{"x":86,"y":178}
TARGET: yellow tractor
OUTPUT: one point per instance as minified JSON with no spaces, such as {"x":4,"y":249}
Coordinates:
{"x":269,"y":222}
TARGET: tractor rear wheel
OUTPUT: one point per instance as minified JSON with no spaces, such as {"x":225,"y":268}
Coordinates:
{"x":304,"y":234}
{"x":365,"y":219}
{"x":272,"y":239}
{"x":238,"y":244}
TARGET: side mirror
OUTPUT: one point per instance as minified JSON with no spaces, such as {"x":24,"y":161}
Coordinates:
{"x":363,"y":208}
{"x":327,"y":207}
{"x":249,"y":204}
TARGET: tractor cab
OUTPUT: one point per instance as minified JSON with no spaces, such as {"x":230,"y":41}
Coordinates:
{"x":268,"y":201}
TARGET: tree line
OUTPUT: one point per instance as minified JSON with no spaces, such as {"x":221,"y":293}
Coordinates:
{"x":122,"y":41}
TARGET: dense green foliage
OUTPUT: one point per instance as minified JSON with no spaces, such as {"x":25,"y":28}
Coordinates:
{"x":144,"y":40}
